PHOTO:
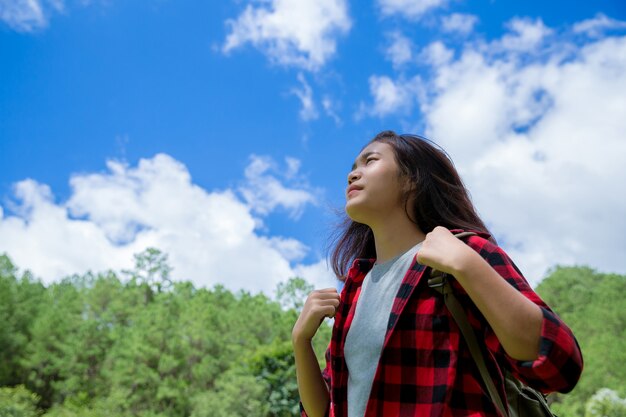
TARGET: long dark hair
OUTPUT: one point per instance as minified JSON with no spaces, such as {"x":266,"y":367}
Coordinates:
{"x":439,"y":195}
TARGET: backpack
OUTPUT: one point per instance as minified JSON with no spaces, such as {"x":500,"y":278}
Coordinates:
{"x":522,"y":400}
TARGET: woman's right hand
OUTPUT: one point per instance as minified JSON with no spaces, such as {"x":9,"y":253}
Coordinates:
{"x":318,"y":305}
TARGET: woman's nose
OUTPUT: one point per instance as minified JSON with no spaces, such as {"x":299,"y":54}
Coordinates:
{"x":353,"y":176}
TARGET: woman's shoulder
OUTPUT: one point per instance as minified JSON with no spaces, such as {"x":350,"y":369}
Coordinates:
{"x":486,"y":247}
{"x":478,"y":240}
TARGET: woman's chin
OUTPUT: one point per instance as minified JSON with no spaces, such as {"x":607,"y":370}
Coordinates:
{"x":354,"y":212}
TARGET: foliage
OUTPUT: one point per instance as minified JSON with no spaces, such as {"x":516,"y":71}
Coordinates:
{"x":97,"y":345}
{"x":293,"y":293}
{"x":594,"y":307}
{"x":606,"y":403}
{"x":236,"y":393}
{"x":19,"y":303}
{"x":274,"y":367}
{"x":151,"y":269}
{"x":141,"y":345}
{"x":18,"y":402}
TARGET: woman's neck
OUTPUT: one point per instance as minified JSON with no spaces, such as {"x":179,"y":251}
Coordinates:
{"x":394,"y":236}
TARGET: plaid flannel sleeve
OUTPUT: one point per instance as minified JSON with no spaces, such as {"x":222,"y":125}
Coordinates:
{"x":326,"y":375}
{"x":559,"y":364}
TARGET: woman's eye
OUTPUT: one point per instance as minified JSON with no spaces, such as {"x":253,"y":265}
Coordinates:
{"x":368,"y":160}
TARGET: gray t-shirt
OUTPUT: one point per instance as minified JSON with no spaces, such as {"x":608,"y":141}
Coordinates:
{"x":366,"y":336}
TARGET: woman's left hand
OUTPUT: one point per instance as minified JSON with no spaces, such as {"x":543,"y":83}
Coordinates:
{"x":442,"y":251}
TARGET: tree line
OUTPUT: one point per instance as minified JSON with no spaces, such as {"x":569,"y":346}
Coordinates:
{"x":135,"y":343}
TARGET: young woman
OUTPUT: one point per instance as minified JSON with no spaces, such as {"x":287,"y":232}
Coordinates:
{"x":395,"y":349}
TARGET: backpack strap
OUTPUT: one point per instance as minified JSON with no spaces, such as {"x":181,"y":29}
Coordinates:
{"x":439,"y":282}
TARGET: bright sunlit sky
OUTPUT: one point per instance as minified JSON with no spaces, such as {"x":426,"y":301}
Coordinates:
{"x":222,"y":132}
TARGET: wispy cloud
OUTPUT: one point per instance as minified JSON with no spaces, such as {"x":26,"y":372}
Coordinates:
{"x":331,"y":109}
{"x":436,"y":54}
{"x":308,"y":111}
{"x":28,"y":15}
{"x":264,"y":191}
{"x":459,"y":23}
{"x":411,"y":9}
{"x":291,"y":33}
{"x":399,"y":50}
{"x":390,"y":96}
{"x":598,"y":25}
{"x":525,"y":35}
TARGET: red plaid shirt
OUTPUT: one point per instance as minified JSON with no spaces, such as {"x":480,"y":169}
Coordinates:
{"x":425,"y":367}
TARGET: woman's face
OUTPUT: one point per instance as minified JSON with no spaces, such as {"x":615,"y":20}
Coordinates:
{"x":375,"y":189}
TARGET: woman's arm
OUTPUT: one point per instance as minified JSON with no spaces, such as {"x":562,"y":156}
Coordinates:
{"x":540,"y":349}
{"x":515,"y":319}
{"x":311,"y":384}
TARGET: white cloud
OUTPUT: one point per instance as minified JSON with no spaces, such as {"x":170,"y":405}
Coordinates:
{"x":399,"y":51}
{"x":264,"y":192}
{"x":32,"y":15}
{"x":319,"y":274}
{"x":598,"y":25}
{"x":210,"y":236}
{"x":538,"y":134}
{"x":293,"y":167}
{"x":305,"y":94}
{"x":28,"y":15}
{"x":412,"y":9}
{"x":330,"y":107}
{"x":293,"y":33}
{"x":525,"y":35}
{"x":458,"y":22}
{"x":389,"y":96}
{"x":535,"y":122}
{"x":290,"y":249}
{"x":436,"y":54}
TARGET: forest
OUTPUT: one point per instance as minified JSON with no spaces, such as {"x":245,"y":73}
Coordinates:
{"x":136,"y":343}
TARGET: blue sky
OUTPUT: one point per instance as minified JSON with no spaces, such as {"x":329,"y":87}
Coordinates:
{"x":222,"y":132}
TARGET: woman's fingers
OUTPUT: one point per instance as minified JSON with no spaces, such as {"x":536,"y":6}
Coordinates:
{"x":323,"y":290}
{"x":327,"y":295}
{"x":318,"y":305}
{"x":328,"y":310}
{"x":326,"y":305}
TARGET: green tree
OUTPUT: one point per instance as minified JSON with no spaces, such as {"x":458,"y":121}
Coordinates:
{"x":18,"y":402}
{"x":152,"y":269}
{"x":274,"y":367}
{"x":593,"y":306}
{"x":94,"y":345}
{"x":236,"y":393}
{"x":293,"y":293}
{"x":144,"y":363}
{"x":20,"y":299}
{"x":91,"y":338}
{"x":50,"y":352}
{"x":605,"y":403}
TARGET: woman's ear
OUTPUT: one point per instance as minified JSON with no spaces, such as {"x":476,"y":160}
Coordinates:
{"x":409,"y":188}
{"x":408,"y":185}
